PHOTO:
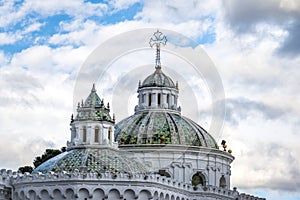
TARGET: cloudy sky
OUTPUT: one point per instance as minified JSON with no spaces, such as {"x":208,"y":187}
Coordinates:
{"x":254,"y":45}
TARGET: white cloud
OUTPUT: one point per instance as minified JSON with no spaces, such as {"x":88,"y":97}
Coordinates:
{"x":176,"y":11}
{"x":290,"y":5}
{"x":36,"y":108}
{"x":74,"y":8}
{"x":44,"y":59}
{"x":69,"y":7}
{"x":33,"y":27}
{"x":245,"y":16}
{"x":3,"y":58}
{"x":9,"y":14}
{"x":265,"y":145}
{"x":121,"y":4}
{"x":8,"y":38}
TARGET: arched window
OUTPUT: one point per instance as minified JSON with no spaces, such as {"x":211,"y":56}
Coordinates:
{"x":96,"y":134}
{"x":198,"y":179}
{"x":84,"y":134}
{"x":163,"y":172}
{"x":222,"y":182}
{"x":109,"y":133}
{"x":149,"y":99}
{"x":168,"y":99}
{"x":158,"y":99}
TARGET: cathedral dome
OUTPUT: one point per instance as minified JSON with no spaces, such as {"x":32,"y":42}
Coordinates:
{"x":91,"y":160}
{"x":158,"y":78}
{"x":157,"y":119}
{"x":150,"y":128}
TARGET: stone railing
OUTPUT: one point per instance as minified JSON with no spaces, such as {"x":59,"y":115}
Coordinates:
{"x":244,"y":196}
{"x":7,"y":177}
{"x":154,"y":179}
{"x":5,"y":183}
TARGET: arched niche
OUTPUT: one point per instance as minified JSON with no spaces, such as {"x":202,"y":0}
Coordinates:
{"x":167,"y":197}
{"x":57,"y":194}
{"x":113,"y":194}
{"x":70,"y":194}
{"x":83,"y":194}
{"x":32,"y":194}
{"x":161,"y":196}
{"x":164,"y":172}
{"x":129,"y":194}
{"x":223,"y":182}
{"x":22,"y":195}
{"x":44,"y":194}
{"x":198,"y":179}
{"x":155,"y":196}
{"x":144,"y":195}
{"x":98,"y":194}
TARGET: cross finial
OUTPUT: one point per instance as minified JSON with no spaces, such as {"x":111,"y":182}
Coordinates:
{"x":157,"y":39}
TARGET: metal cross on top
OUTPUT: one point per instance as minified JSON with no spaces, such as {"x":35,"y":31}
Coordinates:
{"x":157,"y":39}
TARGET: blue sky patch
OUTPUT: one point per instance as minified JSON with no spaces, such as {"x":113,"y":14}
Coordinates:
{"x":122,"y":15}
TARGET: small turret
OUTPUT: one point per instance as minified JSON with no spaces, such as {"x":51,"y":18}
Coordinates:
{"x":93,"y":126}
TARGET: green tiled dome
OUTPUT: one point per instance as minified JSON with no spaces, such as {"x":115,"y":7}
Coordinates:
{"x":91,"y":160}
{"x":162,"y":128}
{"x":93,"y":108}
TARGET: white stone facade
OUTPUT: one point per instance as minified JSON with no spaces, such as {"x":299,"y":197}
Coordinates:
{"x":105,"y":186}
{"x":182,"y":163}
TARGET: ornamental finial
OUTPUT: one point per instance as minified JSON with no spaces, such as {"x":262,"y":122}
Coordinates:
{"x":157,"y":39}
{"x":93,"y":88}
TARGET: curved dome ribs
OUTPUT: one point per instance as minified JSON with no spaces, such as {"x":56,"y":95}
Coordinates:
{"x":92,"y":160}
{"x":207,"y":138}
{"x":162,"y":128}
{"x":133,"y":130}
{"x":147,"y":131}
{"x":172,"y":128}
{"x":144,"y":124}
{"x":200,"y":140}
{"x":125,"y":124}
{"x":187,"y":133}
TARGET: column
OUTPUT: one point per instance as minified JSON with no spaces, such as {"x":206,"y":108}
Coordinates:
{"x":154,"y":100}
{"x":164,"y":100}
{"x":147,"y":99}
{"x":140,"y":98}
{"x":172,"y":100}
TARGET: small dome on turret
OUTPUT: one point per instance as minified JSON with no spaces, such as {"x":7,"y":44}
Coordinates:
{"x":158,"y":78}
{"x":93,"y":108}
{"x":93,"y":99}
